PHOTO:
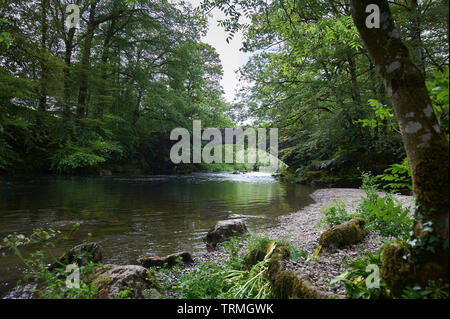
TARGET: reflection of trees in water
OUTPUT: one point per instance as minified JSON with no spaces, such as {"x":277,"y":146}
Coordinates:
{"x":148,"y":215}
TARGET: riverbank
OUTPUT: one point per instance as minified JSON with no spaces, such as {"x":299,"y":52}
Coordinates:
{"x":299,"y":230}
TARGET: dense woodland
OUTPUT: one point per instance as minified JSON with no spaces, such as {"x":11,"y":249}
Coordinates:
{"x":106,"y":95}
{"x":312,"y":78}
{"x":346,"y":98}
{"x":101,"y":96}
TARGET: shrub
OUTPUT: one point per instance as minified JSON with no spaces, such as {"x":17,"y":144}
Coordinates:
{"x":433,"y":290}
{"x":383,"y":214}
{"x":204,"y":281}
{"x":50,"y":284}
{"x":357,"y":278}
{"x":235,"y":277}
{"x":335,"y":214}
{"x":398,"y":176}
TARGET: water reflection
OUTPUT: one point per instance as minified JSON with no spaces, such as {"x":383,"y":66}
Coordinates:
{"x":132,"y":216}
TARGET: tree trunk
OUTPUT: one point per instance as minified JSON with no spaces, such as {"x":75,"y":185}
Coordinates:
{"x":102,"y":99}
{"x":416,"y":37}
{"x":425,"y":144}
{"x":43,"y":57}
{"x":85,"y":62}
{"x":68,"y":63}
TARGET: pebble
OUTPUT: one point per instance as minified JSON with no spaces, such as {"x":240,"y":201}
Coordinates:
{"x":299,"y":229}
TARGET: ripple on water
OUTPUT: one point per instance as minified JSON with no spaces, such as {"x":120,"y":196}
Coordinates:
{"x":138,"y":215}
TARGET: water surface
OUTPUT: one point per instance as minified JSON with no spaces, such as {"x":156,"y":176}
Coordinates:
{"x":139,"y":215}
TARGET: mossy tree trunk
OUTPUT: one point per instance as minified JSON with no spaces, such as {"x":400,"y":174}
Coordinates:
{"x":425,"y":144}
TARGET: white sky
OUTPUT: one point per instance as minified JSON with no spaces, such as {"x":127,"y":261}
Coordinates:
{"x":229,"y":53}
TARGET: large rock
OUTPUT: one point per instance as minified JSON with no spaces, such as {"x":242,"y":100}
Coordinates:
{"x":113,"y":280}
{"x":81,"y":255}
{"x":170,"y":260}
{"x":344,"y":234}
{"x":287,"y":284}
{"x":223,"y":230}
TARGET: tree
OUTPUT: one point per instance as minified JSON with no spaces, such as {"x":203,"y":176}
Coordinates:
{"x":103,"y":95}
{"x":425,"y":144}
{"x":424,"y":141}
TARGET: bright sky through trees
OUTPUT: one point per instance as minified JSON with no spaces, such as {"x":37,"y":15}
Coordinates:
{"x":229,"y":53}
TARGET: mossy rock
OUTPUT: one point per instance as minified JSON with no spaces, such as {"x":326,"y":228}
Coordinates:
{"x":399,"y":272}
{"x":285,"y":283}
{"x":395,"y":270}
{"x":111,"y":280}
{"x":347,"y":233}
{"x":223,"y":230}
{"x":81,"y":255}
{"x":256,"y":255}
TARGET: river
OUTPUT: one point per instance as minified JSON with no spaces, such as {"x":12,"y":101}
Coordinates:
{"x":131,"y":216}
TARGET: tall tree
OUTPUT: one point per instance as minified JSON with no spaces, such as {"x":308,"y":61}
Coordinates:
{"x":425,"y":144}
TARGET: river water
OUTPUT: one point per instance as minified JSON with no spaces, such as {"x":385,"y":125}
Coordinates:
{"x":140,"y":215}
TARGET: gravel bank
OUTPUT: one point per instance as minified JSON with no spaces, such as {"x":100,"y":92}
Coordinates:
{"x":299,"y":229}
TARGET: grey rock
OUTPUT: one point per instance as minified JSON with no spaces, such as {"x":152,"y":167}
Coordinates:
{"x":170,"y":260}
{"x":112,"y":279}
{"x":223,"y":230}
{"x":80,"y":255}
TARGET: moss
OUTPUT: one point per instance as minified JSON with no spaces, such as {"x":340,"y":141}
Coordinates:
{"x":256,"y":254}
{"x":431,"y":185}
{"x":280,"y":253}
{"x":282,"y":284}
{"x":285,"y":283}
{"x":302,"y":290}
{"x":344,"y":234}
{"x":396,"y":271}
{"x":152,"y":280}
{"x":399,"y":272}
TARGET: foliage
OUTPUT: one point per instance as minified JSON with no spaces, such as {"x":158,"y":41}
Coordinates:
{"x":251,"y":283}
{"x":315,"y":255}
{"x":105,"y":95}
{"x":125,"y":293}
{"x":294,"y":252}
{"x":94,"y":153}
{"x":335,"y":214}
{"x":438,"y":88}
{"x":381,"y":113}
{"x":203,"y":282}
{"x":434,"y":290}
{"x":384,"y":213}
{"x":50,"y":284}
{"x":232,"y":277}
{"x":356,"y":279}
{"x":428,"y":242}
{"x":229,"y":279}
{"x":398,"y":176}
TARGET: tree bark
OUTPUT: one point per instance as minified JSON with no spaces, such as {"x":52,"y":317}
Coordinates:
{"x":425,"y":144}
{"x":93,"y":23}
{"x":416,"y":36}
{"x":43,"y":57}
{"x":67,"y":67}
{"x":85,"y":62}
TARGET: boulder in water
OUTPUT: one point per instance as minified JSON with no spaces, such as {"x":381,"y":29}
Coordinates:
{"x":223,"y":230}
